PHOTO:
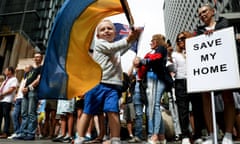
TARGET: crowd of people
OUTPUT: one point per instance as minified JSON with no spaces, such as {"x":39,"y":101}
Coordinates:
{"x":95,"y":117}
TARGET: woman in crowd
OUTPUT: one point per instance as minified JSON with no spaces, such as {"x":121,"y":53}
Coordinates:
{"x":153,"y":66}
{"x":182,"y":97}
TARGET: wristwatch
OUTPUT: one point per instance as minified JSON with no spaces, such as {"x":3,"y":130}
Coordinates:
{"x":30,"y":88}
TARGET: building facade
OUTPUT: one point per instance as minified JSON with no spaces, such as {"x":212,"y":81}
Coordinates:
{"x":33,"y":18}
{"x":181,"y":15}
{"x":24,"y":27}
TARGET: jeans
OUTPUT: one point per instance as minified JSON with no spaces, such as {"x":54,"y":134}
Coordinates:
{"x":155,"y":89}
{"x":29,"y":114}
{"x":138,"y":106}
{"x":139,"y":120}
{"x":5,"y":109}
{"x":137,"y":97}
{"x":174,"y":112}
{"x":16,"y":115}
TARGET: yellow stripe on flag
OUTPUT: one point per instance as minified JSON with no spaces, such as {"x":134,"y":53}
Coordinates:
{"x":83,"y":72}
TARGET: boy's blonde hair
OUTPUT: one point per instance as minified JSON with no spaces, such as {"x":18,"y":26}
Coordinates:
{"x":105,"y":20}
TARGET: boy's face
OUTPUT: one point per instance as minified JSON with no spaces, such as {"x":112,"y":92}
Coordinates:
{"x":106,"y":31}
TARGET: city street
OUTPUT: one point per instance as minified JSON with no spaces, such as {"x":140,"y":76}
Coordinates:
{"x":5,"y":141}
{"x":181,"y":60}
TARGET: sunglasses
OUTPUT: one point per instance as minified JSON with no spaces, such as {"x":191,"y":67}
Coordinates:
{"x":181,"y":39}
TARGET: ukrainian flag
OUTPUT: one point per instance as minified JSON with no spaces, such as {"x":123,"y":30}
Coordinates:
{"x":68,"y":71}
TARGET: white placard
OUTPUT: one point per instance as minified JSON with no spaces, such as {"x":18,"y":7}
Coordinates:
{"x":212,"y":62}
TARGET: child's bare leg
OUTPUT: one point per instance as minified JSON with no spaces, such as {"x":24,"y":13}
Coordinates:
{"x":114,"y":124}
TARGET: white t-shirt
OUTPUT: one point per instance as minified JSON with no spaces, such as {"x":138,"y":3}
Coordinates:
{"x":180,"y":65}
{"x":12,"y":82}
{"x":21,"y":86}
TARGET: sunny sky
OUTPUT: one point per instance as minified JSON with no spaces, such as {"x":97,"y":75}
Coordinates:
{"x":147,"y":13}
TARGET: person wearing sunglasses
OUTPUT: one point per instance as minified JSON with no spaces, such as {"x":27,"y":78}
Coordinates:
{"x":183,"y":99}
{"x":206,"y":14}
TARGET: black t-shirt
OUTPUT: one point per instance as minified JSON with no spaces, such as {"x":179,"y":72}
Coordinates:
{"x":32,"y":75}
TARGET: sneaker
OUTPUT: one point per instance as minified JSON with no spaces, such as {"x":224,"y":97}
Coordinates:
{"x":79,"y":141}
{"x":12,"y":136}
{"x":41,"y":136}
{"x":19,"y":137}
{"x":135,"y":140}
{"x":87,"y":138}
{"x":67,"y":139}
{"x":227,"y":141}
{"x":29,"y":138}
{"x":115,"y":141}
{"x":198,"y":141}
{"x":150,"y":141}
{"x":105,"y":138}
{"x":58,"y":138}
{"x":186,"y":141}
{"x":208,"y":141}
{"x":177,"y":138}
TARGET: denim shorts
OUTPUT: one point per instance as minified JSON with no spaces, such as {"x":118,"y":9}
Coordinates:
{"x":102,"y":98}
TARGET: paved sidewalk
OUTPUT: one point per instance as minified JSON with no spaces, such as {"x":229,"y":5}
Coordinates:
{"x":5,"y":141}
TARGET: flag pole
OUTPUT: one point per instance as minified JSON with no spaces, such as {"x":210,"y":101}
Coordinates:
{"x":214,"y":119}
{"x":128,"y":13}
{"x":212,"y":95}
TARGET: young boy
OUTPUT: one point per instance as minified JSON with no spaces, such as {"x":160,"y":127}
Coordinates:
{"x":105,"y":95}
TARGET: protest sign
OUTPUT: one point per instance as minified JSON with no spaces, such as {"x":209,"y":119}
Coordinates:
{"x":212,"y":62}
